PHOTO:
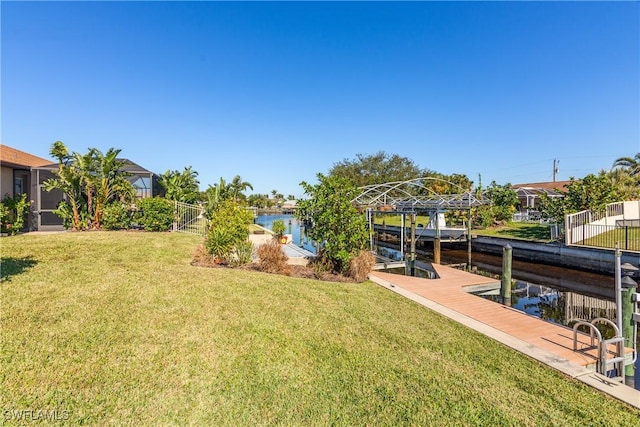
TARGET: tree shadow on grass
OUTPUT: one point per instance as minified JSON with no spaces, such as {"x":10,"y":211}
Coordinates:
{"x":10,"y":266}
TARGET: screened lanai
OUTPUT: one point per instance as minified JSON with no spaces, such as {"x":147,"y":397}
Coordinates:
{"x":140,"y":178}
{"x":47,"y":201}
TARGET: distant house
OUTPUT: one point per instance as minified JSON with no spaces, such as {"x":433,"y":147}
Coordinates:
{"x":290,"y":204}
{"x":529,"y":197}
{"x":27,"y":173}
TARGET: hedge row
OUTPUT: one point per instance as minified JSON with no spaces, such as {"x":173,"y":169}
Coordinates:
{"x":151,"y":214}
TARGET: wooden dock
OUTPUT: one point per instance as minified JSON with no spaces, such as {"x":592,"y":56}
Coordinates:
{"x":547,"y":342}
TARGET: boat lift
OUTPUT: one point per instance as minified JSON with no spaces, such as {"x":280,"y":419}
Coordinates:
{"x":413,"y":197}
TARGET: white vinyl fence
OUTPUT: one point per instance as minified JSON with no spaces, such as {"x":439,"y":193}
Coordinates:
{"x":613,"y":226}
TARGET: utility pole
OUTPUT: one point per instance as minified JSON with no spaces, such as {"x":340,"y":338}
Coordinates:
{"x":555,"y":169}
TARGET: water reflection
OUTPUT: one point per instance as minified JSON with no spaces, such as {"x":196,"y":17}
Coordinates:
{"x":565,"y":279}
{"x":294,"y":227}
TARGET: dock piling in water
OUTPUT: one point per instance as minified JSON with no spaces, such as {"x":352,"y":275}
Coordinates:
{"x":505,"y":284}
{"x":629,"y":287}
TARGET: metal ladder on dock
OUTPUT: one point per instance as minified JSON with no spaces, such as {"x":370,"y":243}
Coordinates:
{"x":604,"y":364}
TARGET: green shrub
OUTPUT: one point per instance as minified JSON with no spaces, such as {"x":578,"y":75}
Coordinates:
{"x":65,"y":212}
{"x":4,"y":217}
{"x":13,"y":213}
{"x":333,"y":220}
{"x":155,"y":214}
{"x":278,"y":228}
{"x":243,"y":253}
{"x":116,"y":216}
{"x":483,"y":216}
{"x":229,"y":227}
{"x":219,"y":243}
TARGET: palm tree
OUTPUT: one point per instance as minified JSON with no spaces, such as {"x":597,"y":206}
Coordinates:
{"x":237,"y":186}
{"x":110,"y":179}
{"x":181,"y":186}
{"x":60,"y":152}
{"x":216,"y":194}
{"x":67,"y":181}
{"x":85,"y":166}
{"x":627,"y":185}
{"x":630,"y":164}
{"x":89,"y":182}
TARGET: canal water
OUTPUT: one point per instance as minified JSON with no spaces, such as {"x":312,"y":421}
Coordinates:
{"x":550,"y":293}
{"x":293,"y":227}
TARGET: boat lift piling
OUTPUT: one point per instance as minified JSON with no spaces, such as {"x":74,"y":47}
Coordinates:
{"x":505,"y":283}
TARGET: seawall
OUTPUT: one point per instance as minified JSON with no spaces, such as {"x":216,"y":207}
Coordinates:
{"x":583,"y":258}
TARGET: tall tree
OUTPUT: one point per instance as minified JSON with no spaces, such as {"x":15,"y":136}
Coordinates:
{"x":237,"y":186}
{"x":627,"y":185}
{"x":333,"y":221}
{"x":503,"y":204}
{"x":181,"y":186}
{"x":377,"y":168}
{"x":215,"y":195}
{"x":86,"y":168}
{"x":111,"y":181}
{"x":70,"y":183}
{"x":629,"y":164}
{"x":446,"y":184}
{"x":593,"y":192}
{"x":258,"y":200}
{"x":89,"y":181}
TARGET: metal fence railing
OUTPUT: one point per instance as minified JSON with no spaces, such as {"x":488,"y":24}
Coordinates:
{"x":606,"y":236}
{"x":190,"y":219}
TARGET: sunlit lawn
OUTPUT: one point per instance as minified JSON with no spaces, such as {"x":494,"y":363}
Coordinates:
{"x":518,"y":230}
{"x":117,"y":328}
{"x":511,"y":230}
{"x":627,"y":239}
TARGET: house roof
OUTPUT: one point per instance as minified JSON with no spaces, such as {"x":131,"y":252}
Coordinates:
{"x":13,"y":157}
{"x":560,"y":186}
{"x":129,"y":166}
{"x":134,"y":168}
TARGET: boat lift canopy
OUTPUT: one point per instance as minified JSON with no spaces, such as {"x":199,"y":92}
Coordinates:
{"x":415,"y":195}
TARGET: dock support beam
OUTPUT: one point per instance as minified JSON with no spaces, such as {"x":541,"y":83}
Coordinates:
{"x":628,"y":308}
{"x":505,"y":284}
{"x":469,"y":241}
{"x":402,"y":233}
{"x":412,"y":250}
{"x":436,"y":241}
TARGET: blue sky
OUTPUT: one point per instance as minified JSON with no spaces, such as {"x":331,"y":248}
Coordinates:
{"x":277,"y":92}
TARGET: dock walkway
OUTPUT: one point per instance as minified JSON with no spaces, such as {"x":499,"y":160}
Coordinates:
{"x":546,"y":342}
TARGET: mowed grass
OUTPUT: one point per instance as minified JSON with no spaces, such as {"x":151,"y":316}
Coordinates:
{"x":511,"y":230}
{"x":116,"y":328}
{"x":518,"y":230}
{"x":627,"y":239}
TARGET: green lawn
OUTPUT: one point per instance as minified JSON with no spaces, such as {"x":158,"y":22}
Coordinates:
{"x":518,"y":230}
{"x":117,"y":328}
{"x":627,"y":239}
{"x":512,"y":230}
